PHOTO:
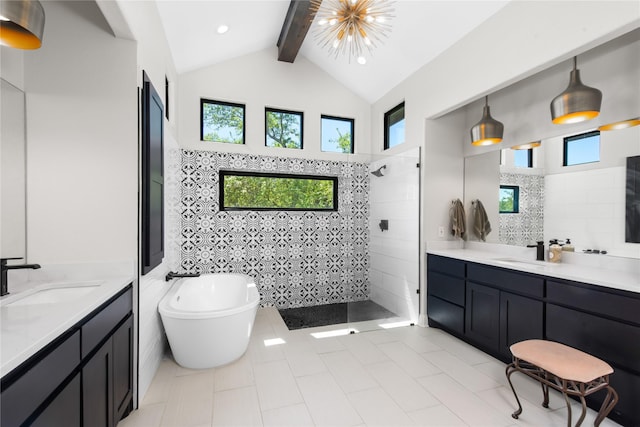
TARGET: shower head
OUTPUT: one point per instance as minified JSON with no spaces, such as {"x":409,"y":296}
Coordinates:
{"x":378,"y":172}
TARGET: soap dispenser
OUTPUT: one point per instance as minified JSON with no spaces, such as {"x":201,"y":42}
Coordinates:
{"x":568,"y":247}
{"x":555,"y":251}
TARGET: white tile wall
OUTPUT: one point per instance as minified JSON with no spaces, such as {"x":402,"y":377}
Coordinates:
{"x":588,"y":207}
{"x":394,"y":267}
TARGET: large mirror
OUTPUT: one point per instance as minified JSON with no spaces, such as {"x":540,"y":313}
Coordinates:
{"x":584,"y":202}
{"x":12,"y":172}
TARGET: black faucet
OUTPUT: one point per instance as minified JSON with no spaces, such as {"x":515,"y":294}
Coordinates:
{"x":4,"y":280}
{"x":539,"y":250}
{"x":171,"y":275}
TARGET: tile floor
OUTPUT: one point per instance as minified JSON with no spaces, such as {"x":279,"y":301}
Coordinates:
{"x":409,"y":376}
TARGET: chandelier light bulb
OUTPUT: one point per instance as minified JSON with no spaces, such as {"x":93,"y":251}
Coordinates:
{"x":364,"y":22}
{"x":362,"y":60}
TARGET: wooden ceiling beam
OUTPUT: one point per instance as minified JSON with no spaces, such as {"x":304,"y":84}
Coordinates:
{"x":294,"y":29}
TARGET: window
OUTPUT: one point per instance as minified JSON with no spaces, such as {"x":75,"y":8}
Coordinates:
{"x":580,"y":149}
{"x":336,"y":134}
{"x":509,"y":195}
{"x":523,"y":158}
{"x":272,"y":191}
{"x":221,"y":122}
{"x":283,"y":128}
{"x":394,"y":127}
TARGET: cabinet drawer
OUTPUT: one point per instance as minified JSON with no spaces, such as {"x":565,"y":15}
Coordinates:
{"x":623,"y":307}
{"x":39,"y":381}
{"x":521,"y":283}
{"x":446,"y":314}
{"x":603,"y":338}
{"x":451,"y":266}
{"x":105,"y":321}
{"x":446,"y":287}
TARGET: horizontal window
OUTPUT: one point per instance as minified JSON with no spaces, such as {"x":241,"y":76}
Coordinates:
{"x":282,"y":192}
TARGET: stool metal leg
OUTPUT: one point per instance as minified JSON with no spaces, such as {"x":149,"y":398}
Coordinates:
{"x":545,"y":393}
{"x":566,"y":399}
{"x":607,"y":405}
{"x":510,"y":370}
{"x":584,"y":411}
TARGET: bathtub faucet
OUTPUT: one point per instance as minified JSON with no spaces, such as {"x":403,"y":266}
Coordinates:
{"x":172,"y":275}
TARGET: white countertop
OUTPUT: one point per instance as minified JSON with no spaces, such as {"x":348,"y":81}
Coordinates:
{"x":25,"y":329}
{"x":625,"y":278}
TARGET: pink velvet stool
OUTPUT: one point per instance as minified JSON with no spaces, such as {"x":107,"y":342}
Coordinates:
{"x":563,"y":368}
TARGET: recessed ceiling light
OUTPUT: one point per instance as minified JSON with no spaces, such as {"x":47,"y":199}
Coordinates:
{"x":222,"y":29}
{"x":362,"y":60}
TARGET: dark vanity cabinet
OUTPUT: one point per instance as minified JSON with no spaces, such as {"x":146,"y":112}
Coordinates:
{"x":83,"y":378}
{"x":504,"y":306}
{"x":446,"y":293}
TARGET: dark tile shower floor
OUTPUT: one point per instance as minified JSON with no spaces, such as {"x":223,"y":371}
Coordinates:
{"x":333,"y":314}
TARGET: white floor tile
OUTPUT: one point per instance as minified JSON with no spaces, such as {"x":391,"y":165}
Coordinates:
{"x":146,"y":416}
{"x":303,"y":360}
{"x":237,"y":407}
{"x":402,"y":388}
{"x":377,"y":408}
{"x":294,"y":416}
{"x":459,"y":370}
{"x":409,"y":360}
{"x":276,"y":385}
{"x":464,"y":403}
{"x":363,"y":349}
{"x":436,"y":416}
{"x":348,"y":372}
{"x":406,"y":376}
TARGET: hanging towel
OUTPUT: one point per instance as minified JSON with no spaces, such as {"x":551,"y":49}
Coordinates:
{"x":481,"y":224}
{"x":458,"y":219}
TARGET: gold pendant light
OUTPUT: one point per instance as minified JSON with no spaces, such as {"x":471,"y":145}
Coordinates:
{"x":487,"y":131}
{"x":21,"y":23}
{"x":621,"y":125}
{"x":577,"y":103}
{"x":534,"y":144}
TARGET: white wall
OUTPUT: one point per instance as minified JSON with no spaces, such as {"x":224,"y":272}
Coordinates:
{"x":395,"y":253}
{"x":142,"y":21}
{"x":586,"y":203}
{"x":258,"y":81}
{"x":81,"y":140}
{"x":481,"y":182}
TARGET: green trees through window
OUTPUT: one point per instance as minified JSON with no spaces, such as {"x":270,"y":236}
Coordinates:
{"x":221,"y":122}
{"x":260,"y":191}
{"x":509,"y":195}
{"x":283,"y":128}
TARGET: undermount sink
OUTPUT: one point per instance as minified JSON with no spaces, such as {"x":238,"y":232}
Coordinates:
{"x":515,"y":261}
{"x":52,"y":294}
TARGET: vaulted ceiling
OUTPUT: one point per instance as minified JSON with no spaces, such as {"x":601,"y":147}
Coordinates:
{"x":421,"y":30}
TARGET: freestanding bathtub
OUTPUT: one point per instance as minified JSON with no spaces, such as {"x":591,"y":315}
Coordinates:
{"x":208,"y":319}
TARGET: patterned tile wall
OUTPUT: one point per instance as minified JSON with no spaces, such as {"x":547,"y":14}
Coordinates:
{"x":526,"y":227}
{"x":297,"y":258}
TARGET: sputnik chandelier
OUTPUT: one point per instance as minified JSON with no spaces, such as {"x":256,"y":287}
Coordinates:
{"x":348,"y":27}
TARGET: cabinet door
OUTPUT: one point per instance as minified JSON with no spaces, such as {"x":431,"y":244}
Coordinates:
{"x":482,"y":316}
{"x":97,"y":388}
{"x":122,"y":369}
{"x":521,"y":318}
{"x":64,"y":410}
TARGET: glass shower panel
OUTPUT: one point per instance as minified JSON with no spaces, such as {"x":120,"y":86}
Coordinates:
{"x":392,"y":247}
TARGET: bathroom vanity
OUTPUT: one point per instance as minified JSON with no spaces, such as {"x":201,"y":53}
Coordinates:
{"x":68,"y":363}
{"x":493,"y":302}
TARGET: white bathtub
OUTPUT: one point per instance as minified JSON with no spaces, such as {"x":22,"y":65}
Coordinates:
{"x":208,"y":319}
